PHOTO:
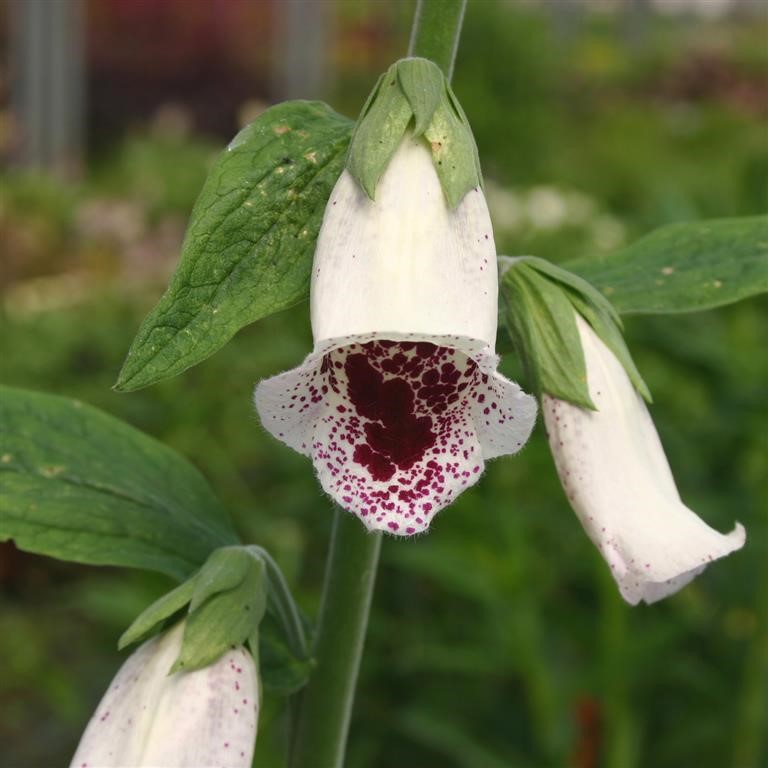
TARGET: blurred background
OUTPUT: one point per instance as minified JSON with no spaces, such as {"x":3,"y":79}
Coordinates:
{"x":498,"y":640}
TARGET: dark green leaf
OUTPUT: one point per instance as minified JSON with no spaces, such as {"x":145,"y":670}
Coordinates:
{"x":685,"y":267}
{"x":251,"y":237}
{"x":79,"y":485}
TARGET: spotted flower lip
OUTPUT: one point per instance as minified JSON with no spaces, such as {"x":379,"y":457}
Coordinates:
{"x":148,"y":718}
{"x":613,"y":469}
{"x":400,"y":404}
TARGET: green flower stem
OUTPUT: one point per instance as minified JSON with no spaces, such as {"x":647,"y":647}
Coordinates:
{"x":436,"y":31}
{"x":326,"y":704}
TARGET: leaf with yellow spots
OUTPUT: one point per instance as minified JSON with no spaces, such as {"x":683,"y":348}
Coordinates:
{"x":684,"y":267}
{"x":250,"y":241}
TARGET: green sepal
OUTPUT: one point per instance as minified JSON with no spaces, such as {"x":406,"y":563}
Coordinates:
{"x":414,"y":92}
{"x":599,"y":312}
{"x":150,"y":620}
{"x":225,"y":569}
{"x":540,"y":301}
{"x":422,"y":83}
{"x":224,"y":615}
{"x":225,"y":601}
{"x":541,"y":321}
{"x":379,"y":132}
{"x":613,"y":338}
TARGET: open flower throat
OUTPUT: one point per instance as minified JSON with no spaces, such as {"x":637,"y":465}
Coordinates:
{"x":400,"y":437}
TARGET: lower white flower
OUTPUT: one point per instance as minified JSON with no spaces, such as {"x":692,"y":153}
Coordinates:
{"x":203,"y":718}
{"x":399,"y":404}
{"x":618,"y":481}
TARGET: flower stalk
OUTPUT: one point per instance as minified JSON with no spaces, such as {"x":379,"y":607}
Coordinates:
{"x":436,"y":32}
{"x":325,"y":706}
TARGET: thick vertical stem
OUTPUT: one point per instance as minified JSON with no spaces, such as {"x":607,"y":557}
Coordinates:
{"x":326,"y":705}
{"x":436,"y":31}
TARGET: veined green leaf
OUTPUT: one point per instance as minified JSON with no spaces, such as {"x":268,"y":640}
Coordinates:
{"x":250,"y":241}
{"x":684,"y":267}
{"x":77,"y":484}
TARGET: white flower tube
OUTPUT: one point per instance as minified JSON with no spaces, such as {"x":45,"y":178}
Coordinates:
{"x":617,"y":479}
{"x":147,"y":717}
{"x":399,"y":404}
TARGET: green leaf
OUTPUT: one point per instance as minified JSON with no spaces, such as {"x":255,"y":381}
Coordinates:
{"x":148,"y":622}
{"x":226,"y":618}
{"x":77,"y":484}
{"x":250,"y":241}
{"x":379,"y":131}
{"x":541,"y":320}
{"x":685,"y":267}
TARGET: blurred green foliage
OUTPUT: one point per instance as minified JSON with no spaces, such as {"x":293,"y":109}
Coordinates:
{"x":499,"y":638}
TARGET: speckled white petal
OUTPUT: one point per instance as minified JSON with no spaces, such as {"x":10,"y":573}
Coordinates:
{"x":618,"y":481}
{"x":147,"y":718}
{"x":285,"y":403}
{"x":397,"y":442}
{"x":503,"y":414}
{"x":397,"y":428}
{"x":404,"y":263}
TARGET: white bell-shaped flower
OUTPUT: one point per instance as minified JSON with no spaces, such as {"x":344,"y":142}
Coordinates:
{"x":614,"y":471}
{"x":148,"y":718}
{"x":399,"y":404}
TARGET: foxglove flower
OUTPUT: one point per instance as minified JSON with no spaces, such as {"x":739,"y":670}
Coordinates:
{"x":399,"y":404}
{"x":617,"y":479}
{"x":149,"y":718}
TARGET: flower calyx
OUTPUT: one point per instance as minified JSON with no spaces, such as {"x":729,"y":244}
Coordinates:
{"x":540,"y":304}
{"x":414,"y":93}
{"x":223,"y":603}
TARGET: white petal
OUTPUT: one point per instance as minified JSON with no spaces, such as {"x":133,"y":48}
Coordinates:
{"x":404,"y":263}
{"x":147,"y":718}
{"x":504,"y":415}
{"x":618,"y":481}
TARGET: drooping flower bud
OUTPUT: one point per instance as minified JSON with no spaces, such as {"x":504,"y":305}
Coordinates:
{"x":613,"y":469}
{"x":150,"y":718}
